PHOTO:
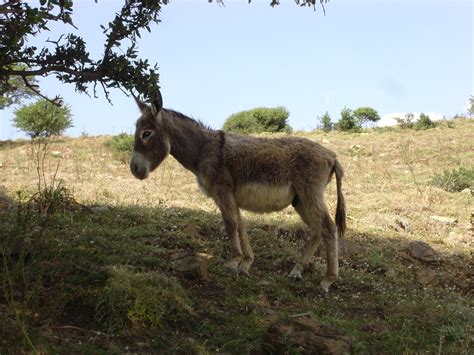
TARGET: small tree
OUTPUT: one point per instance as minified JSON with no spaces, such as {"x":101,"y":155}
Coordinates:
{"x":257,"y":120}
{"x":365,"y":114}
{"x":347,"y":121}
{"x":405,"y":122}
{"x":326,"y":123}
{"x":470,"y":108}
{"x":424,"y":122}
{"x":43,"y":119}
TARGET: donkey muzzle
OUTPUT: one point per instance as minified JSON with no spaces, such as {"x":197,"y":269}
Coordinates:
{"x":139,"y":166}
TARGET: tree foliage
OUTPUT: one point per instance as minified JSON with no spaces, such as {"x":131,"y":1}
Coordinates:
{"x":43,"y":119}
{"x":365,"y":114}
{"x":257,"y":120}
{"x":424,"y":122}
{"x":16,"y":89}
{"x":406,"y":122}
{"x":67,"y":57}
{"x":326,"y":123}
{"x":347,"y":121}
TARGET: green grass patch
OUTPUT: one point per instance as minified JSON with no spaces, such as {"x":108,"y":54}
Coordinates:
{"x":455,"y":180}
{"x":122,"y":146}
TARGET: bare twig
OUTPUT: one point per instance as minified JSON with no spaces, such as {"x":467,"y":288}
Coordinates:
{"x":56,"y":101}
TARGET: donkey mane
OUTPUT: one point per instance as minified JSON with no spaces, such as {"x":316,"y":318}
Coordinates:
{"x":182,"y":116}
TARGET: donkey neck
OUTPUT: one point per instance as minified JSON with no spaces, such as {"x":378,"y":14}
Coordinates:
{"x":187,"y":137}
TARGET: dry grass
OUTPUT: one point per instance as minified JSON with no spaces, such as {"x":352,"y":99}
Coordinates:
{"x":378,"y":180}
{"x":387,"y":178}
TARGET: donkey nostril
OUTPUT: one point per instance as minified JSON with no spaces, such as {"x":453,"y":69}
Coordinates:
{"x":134,"y":168}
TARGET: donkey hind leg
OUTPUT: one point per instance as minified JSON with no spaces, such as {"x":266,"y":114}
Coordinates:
{"x":332,"y":252}
{"x":248,"y":255}
{"x":230,"y":215}
{"x":312,"y":244}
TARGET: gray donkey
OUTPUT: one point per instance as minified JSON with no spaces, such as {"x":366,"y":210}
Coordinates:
{"x":255,"y":174}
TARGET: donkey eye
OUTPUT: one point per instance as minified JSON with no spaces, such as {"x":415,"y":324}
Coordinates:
{"x":146,"y":134}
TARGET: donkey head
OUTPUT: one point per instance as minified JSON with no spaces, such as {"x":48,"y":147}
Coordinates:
{"x":151,"y":142}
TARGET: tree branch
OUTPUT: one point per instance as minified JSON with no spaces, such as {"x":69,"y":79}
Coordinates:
{"x":56,"y":101}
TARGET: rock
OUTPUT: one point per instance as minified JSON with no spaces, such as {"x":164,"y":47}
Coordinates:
{"x":467,"y":191}
{"x":56,"y":154}
{"x":193,"y":266}
{"x":325,"y":141}
{"x":347,"y":248}
{"x":422,"y":251}
{"x":306,"y":336}
{"x":444,"y":220}
{"x":428,"y":277}
{"x":401,"y":224}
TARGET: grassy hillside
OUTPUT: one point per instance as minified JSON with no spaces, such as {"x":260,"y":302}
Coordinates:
{"x":98,"y":277}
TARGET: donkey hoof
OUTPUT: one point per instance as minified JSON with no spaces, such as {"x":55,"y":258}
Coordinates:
{"x":233,"y":265}
{"x":244,"y":267}
{"x":325,"y":284}
{"x":295,"y":275}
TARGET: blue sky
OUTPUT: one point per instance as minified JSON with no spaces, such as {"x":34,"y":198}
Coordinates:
{"x":393,"y":55}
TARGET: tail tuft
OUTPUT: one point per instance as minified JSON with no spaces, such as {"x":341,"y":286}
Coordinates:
{"x":341,"y":205}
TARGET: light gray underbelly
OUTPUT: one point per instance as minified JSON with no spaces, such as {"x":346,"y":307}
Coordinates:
{"x":261,"y":198}
{"x":257,"y":197}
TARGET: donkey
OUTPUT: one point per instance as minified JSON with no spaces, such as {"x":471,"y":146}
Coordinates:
{"x":250,"y":173}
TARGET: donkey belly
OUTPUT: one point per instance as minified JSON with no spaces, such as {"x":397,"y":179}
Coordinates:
{"x":264,"y":198}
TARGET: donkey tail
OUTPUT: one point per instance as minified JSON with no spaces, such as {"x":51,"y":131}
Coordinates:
{"x":341,"y":205}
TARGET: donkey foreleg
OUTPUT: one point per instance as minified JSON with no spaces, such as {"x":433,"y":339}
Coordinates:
{"x":248,"y":255}
{"x":230,"y":214}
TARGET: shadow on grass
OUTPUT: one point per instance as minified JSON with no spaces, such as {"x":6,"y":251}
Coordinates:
{"x":101,"y":281}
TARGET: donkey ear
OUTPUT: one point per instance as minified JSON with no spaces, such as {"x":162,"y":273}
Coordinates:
{"x":141,"y":105}
{"x":157,"y":102}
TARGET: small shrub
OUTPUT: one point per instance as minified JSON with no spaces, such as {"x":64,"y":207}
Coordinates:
{"x":258,"y":120}
{"x":144,"y":300}
{"x":326,"y":123}
{"x":54,"y":198}
{"x":455,"y":180}
{"x":122,"y":146}
{"x":347,"y":121}
{"x":405,"y":122}
{"x":424,"y":122}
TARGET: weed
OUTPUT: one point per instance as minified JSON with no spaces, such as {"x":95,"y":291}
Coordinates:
{"x":454,"y":180}
{"x":146,"y":300}
{"x":408,"y":152}
{"x":122,"y":146}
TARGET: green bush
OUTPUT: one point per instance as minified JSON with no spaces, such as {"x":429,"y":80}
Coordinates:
{"x":326,"y":123}
{"x":424,"y":122}
{"x":258,"y":120}
{"x":43,"y":119}
{"x":455,"y":180}
{"x":347,"y":121}
{"x":142,"y":300}
{"x":122,"y":146}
